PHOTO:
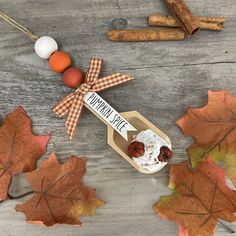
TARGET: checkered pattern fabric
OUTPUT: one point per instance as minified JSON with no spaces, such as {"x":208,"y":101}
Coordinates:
{"x":72,"y":104}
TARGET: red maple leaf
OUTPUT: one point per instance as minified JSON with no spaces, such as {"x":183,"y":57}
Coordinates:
{"x":60,"y":197}
{"x":19,"y":148}
{"x":200,"y":197}
{"x":213,"y":127}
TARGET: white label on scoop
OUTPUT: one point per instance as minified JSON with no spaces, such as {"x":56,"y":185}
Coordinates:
{"x":108,"y":114}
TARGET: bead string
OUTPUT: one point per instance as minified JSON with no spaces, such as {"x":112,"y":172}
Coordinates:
{"x":18,"y":26}
{"x":46,"y":47}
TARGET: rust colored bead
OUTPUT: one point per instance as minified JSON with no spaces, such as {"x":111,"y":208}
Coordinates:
{"x":73,"y":77}
{"x":59,"y":61}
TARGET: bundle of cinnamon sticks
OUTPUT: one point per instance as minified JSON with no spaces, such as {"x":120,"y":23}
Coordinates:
{"x":182,"y":22}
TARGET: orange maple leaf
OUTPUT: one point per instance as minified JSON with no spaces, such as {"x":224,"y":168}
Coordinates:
{"x":200,"y":197}
{"x":59,"y":195}
{"x":19,"y":148}
{"x":214,"y":129}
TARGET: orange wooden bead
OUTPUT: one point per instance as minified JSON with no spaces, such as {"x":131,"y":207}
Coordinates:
{"x":73,"y":77}
{"x":59,"y":61}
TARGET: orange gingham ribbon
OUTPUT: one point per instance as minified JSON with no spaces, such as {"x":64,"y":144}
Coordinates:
{"x":73,"y":103}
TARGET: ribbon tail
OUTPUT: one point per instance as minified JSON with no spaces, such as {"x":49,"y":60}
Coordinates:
{"x":93,"y":71}
{"x":74,"y":114}
{"x":110,"y":81}
{"x":63,"y":106}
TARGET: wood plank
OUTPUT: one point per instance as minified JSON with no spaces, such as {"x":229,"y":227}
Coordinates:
{"x":169,"y":75}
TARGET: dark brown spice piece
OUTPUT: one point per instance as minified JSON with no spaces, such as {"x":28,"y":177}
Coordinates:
{"x":139,"y":35}
{"x":183,"y":14}
{"x":165,"y":154}
{"x":136,"y":149}
{"x":205,"y":22}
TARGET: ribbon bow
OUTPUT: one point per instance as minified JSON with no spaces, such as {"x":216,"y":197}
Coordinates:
{"x":73,"y":103}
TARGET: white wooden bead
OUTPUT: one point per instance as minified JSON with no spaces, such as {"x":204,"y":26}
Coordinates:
{"x":45,"y":46}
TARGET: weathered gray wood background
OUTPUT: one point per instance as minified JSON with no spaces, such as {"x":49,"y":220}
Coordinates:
{"x":170,"y":76}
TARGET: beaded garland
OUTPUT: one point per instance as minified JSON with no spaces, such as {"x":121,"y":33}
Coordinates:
{"x":59,"y":61}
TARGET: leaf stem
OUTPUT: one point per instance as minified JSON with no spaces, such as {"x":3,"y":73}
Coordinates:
{"x":221,"y":224}
{"x":20,"y":196}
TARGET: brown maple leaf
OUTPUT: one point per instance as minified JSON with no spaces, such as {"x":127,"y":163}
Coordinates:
{"x":214,"y":129}
{"x":19,"y":148}
{"x":200,"y":197}
{"x":59,"y":195}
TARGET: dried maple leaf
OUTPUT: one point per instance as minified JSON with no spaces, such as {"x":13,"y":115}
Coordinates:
{"x":214,"y":129}
{"x":19,"y":148}
{"x":59,"y":195}
{"x":200,"y":197}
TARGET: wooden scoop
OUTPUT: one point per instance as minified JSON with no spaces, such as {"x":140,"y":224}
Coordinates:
{"x":120,"y":145}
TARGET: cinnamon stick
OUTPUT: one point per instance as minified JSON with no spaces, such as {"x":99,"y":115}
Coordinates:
{"x":137,"y":35}
{"x":183,"y":14}
{"x":205,"y":22}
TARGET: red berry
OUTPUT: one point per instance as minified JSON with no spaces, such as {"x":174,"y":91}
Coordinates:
{"x":59,"y":61}
{"x":136,"y":149}
{"x":165,"y":154}
{"x":73,"y":77}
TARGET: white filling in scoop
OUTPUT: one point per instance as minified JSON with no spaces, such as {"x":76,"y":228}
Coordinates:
{"x":152,"y":143}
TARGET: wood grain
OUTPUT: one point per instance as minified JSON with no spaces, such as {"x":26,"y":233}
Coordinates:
{"x":170,"y":76}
